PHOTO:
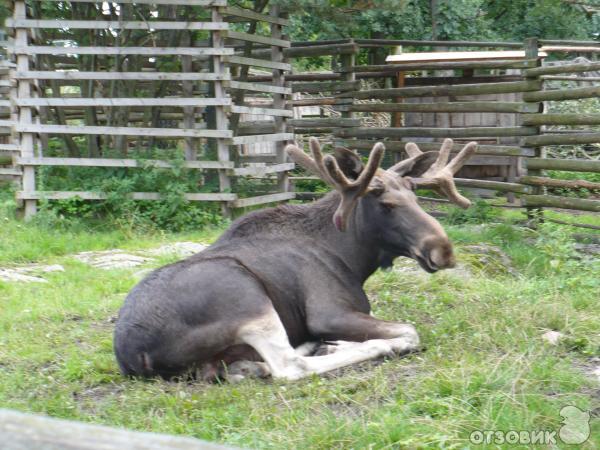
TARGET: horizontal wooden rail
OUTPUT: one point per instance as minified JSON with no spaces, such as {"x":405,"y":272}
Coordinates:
{"x":497,"y":107}
{"x":458,"y":65}
{"x":568,"y":42}
{"x":553,"y":182}
{"x":325,"y":86}
{"x":258,"y":87}
{"x":448,"y":90}
{"x":259,"y":138}
{"x":412,"y":42}
{"x":562,"y":94}
{"x":261,"y":111}
{"x":253,"y":16}
{"x":260,"y":171}
{"x":10,"y":172}
{"x":151,"y":2}
{"x":574,"y":165}
{"x":263,"y":199}
{"x":87,"y":195}
{"x":325,"y":122}
{"x":569,"y":78}
{"x":493,"y":185}
{"x":435,"y":132}
{"x":110,"y":162}
{"x":398,"y":146}
{"x":135,"y":101}
{"x":122,"y":131}
{"x":114,"y":24}
{"x":247,"y":37}
{"x":552,"y":201}
{"x":561,"y":119}
{"x":561,"y":139}
{"x":241,"y":60}
{"x":566,"y":68}
{"x":312,"y":51}
{"x":138,"y":76}
{"x":9,"y":148}
{"x":149,"y":51}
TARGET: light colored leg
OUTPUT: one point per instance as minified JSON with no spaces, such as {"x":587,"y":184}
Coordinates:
{"x":268,"y":337}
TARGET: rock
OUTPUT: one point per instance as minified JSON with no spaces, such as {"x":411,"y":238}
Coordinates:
{"x":15,"y":275}
{"x":111,"y":259}
{"x":552,"y":337}
{"x":485,"y":257}
{"x":588,"y":249}
{"x":181,"y":249}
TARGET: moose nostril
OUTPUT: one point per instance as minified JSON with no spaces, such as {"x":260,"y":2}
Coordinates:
{"x":441,"y":254}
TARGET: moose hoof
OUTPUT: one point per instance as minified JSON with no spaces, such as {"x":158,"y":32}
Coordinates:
{"x":251,"y":369}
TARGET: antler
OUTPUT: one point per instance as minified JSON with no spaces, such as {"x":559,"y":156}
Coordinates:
{"x":327,"y":168}
{"x":440,"y":176}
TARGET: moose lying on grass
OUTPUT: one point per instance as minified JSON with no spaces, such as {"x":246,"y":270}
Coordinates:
{"x":281,"y":279}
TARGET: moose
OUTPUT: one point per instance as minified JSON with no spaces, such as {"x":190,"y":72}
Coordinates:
{"x":281,"y":281}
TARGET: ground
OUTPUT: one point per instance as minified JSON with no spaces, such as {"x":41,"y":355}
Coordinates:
{"x":486,"y":365}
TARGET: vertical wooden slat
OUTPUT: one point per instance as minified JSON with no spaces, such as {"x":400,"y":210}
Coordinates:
{"x":25,"y":113}
{"x":279,"y":99}
{"x":221,"y":120}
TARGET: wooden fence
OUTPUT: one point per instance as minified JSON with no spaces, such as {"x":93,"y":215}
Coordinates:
{"x":518,"y":145}
{"x":124,"y":82}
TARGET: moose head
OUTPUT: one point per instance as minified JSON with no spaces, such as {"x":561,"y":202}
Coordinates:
{"x":382,"y":203}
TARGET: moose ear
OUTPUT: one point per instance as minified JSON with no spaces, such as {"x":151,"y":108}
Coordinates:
{"x":348,"y":161}
{"x":415,"y":166}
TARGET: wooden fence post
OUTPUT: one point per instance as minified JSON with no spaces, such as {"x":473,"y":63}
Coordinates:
{"x":221,"y":120}
{"x":279,"y":99}
{"x":25,"y":113}
{"x":532,"y":52}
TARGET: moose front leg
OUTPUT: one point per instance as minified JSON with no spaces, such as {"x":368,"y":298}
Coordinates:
{"x":361,"y":327}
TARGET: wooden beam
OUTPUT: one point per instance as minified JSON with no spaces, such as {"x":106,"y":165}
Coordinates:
{"x":113,"y":24}
{"x":121,"y":131}
{"x":261,"y":171}
{"x":552,"y":201}
{"x":247,"y":37}
{"x":135,"y":101}
{"x":149,"y":51}
{"x":258,"y":87}
{"x":565,"y":68}
{"x":112,"y":162}
{"x":562,"y":94}
{"x":87,"y":195}
{"x":471,"y":132}
{"x":571,"y":165}
{"x":325,"y":86}
{"x":561,"y":119}
{"x":261,"y":111}
{"x":561,"y":139}
{"x":262,"y":199}
{"x":461,"y":65}
{"x":448,"y":90}
{"x":138,"y":76}
{"x":477,"y":106}
{"x":255,"y":139}
{"x":241,"y":60}
{"x":254,"y":16}
{"x":553,"y":182}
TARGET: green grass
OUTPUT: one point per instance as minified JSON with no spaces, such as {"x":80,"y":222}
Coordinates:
{"x":485,"y":366}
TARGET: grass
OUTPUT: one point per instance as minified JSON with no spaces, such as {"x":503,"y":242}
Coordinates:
{"x":485,"y":366}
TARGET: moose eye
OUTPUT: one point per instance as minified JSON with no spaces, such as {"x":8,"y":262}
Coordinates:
{"x":386,"y":207}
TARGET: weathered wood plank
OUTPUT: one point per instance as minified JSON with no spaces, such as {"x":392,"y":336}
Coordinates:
{"x":434,"y":43}
{"x":313,"y":50}
{"x":325,"y":86}
{"x":10,"y":172}
{"x":434,"y":132}
{"x":398,"y":146}
{"x":138,"y":76}
{"x":254,"y":16}
{"x":561,"y":139}
{"x":552,"y":201}
{"x":261,"y":111}
{"x":561,"y":119}
{"x":113,"y":162}
{"x":134,"y":101}
{"x":260,"y":171}
{"x":493,"y":185}
{"x":114,"y":24}
{"x":408,"y":67}
{"x":151,"y":2}
{"x":150,"y":51}
{"x":9,"y":148}
{"x":479,"y":106}
{"x":121,"y":131}
{"x":262,"y":199}
{"x":247,"y":37}
{"x":562,"y":94}
{"x":255,"y":62}
{"x":574,"y":165}
{"x":566,"y":68}
{"x":553,"y":182}
{"x":87,"y":195}
{"x":448,"y":90}
{"x":239,"y":140}
{"x":257,"y":87}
